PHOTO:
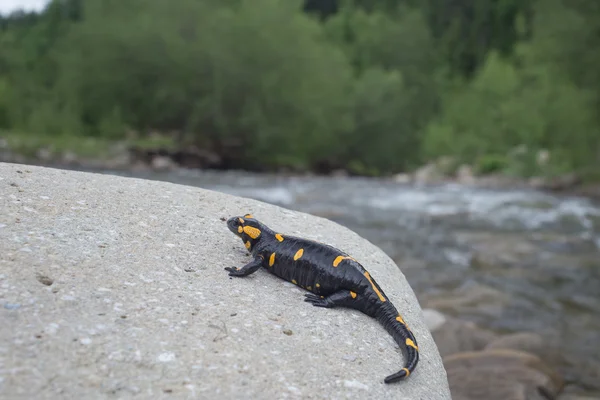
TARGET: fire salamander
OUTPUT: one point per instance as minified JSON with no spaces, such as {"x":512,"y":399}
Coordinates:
{"x":333,"y":278}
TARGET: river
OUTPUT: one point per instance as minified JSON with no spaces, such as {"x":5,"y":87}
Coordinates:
{"x":508,"y":260}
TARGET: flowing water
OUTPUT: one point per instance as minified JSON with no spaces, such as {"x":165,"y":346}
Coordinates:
{"x":509,"y":260}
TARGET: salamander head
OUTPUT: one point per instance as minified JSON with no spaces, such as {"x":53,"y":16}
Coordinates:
{"x":247,"y":228}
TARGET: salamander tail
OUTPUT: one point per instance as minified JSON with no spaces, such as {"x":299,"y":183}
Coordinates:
{"x":395,"y":325}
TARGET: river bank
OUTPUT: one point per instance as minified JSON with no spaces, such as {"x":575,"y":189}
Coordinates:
{"x":160,"y":156}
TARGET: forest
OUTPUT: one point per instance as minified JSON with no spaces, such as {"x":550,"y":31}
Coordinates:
{"x":371,"y":86}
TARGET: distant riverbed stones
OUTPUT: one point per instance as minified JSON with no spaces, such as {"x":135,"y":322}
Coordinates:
{"x":484,"y":365}
{"x":501,"y":375}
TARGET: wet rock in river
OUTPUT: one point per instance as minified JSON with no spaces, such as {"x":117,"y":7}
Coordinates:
{"x":529,"y":342}
{"x":434,"y":319}
{"x":455,"y":336}
{"x":465,"y":175}
{"x":428,"y":174}
{"x":470,"y":299}
{"x":490,"y":249}
{"x":500,"y":374}
{"x":161,"y":163}
{"x":587,"y":379}
{"x":573,"y":396}
{"x":484,"y":365}
{"x":402,"y":178}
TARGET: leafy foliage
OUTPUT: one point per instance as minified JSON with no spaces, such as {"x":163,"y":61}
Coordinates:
{"x":371,"y":86}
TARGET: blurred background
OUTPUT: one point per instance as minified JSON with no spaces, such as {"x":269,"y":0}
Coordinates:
{"x":460,"y":136}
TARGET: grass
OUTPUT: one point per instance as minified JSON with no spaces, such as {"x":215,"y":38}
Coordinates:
{"x":28,"y":144}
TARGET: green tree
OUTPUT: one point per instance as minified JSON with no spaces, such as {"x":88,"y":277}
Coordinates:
{"x":27,"y":43}
{"x":215,"y":72}
{"x":382,"y":141}
{"x":374,"y":85}
{"x":505,"y":107}
{"x":466,"y":30}
{"x":283,"y":103}
{"x":396,"y":93}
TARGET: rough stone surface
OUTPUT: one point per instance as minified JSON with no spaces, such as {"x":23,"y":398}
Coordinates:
{"x":114,"y":288}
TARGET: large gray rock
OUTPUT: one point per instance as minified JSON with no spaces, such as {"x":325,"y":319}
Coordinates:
{"x":113,"y":287}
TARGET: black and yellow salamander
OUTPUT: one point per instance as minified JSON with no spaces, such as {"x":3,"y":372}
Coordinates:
{"x":333,"y":278}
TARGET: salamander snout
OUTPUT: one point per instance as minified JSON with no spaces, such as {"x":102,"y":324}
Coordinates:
{"x":233,"y":224}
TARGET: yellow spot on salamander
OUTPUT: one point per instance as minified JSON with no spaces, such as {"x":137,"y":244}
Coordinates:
{"x":298,"y":254}
{"x":279,"y":237}
{"x":248,"y":244}
{"x":407,"y":371}
{"x":318,"y":285}
{"x":240,"y":229}
{"x":353,"y":295}
{"x":412,"y":344}
{"x":272,"y":260}
{"x":241,"y":220}
{"x":339,"y":259}
{"x":294,"y":282}
{"x":309,"y":288}
{"x":252,"y":231}
{"x":399,"y":319}
{"x":374,"y":287}
{"x":248,"y":216}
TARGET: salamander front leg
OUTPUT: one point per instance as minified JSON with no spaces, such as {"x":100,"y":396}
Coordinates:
{"x":247,"y":269}
{"x":342,"y":298}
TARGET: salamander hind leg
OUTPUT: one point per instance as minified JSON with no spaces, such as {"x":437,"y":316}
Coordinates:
{"x":342,"y":298}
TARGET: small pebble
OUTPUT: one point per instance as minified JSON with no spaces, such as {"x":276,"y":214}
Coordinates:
{"x":43,"y":279}
{"x":166,"y":357}
{"x":10,"y":306}
{"x":355,"y":385}
{"x":294,"y":390}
